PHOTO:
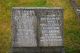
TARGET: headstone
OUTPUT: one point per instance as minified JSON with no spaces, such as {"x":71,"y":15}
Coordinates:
{"x":37,"y":27}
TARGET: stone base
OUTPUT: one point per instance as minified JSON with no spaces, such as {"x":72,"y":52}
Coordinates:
{"x":38,"y":50}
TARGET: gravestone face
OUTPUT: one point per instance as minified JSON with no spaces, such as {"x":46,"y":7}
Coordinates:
{"x":25,"y":21}
{"x":37,"y":27}
{"x":50,"y":28}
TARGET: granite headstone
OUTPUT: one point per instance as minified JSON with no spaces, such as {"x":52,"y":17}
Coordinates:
{"x":37,"y":27}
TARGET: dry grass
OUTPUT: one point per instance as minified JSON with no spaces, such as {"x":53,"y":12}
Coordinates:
{"x":78,"y":2}
{"x":5,"y":19}
{"x":71,"y":27}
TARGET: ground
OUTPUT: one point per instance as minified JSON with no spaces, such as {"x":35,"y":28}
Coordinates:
{"x":78,"y":2}
{"x":71,"y":26}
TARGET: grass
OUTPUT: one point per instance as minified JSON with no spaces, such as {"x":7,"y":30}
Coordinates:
{"x":71,"y":26}
{"x":5,"y":19}
{"x":78,"y":2}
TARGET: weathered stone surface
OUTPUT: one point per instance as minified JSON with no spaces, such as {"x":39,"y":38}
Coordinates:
{"x":40,"y":27}
{"x":25,"y":29}
{"x":51,"y":29}
{"x":39,"y":50}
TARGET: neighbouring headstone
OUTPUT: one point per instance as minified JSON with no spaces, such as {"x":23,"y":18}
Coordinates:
{"x":37,"y":27}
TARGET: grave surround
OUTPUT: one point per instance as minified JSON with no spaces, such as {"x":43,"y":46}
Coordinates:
{"x":36,"y":27}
